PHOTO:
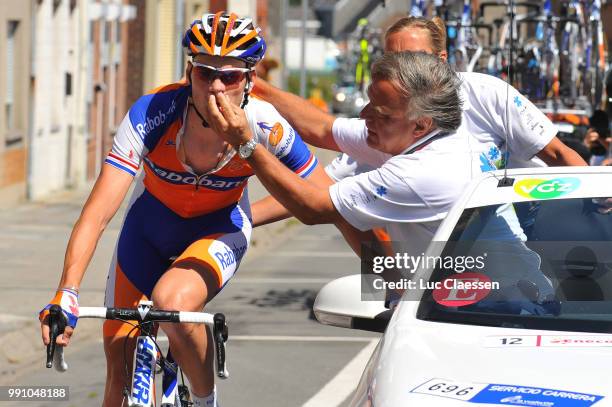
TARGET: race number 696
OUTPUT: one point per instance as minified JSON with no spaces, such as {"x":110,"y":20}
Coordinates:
{"x":449,"y":388}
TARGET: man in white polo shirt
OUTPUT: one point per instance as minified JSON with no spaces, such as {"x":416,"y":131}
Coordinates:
{"x":421,"y":165}
{"x":495,"y":115}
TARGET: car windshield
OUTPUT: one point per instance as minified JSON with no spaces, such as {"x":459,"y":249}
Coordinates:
{"x":547,"y":265}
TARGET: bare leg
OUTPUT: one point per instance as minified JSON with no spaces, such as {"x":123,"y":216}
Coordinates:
{"x":116,"y":377}
{"x":188,"y":288}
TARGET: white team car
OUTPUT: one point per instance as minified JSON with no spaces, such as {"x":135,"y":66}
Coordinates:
{"x":539,"y":338}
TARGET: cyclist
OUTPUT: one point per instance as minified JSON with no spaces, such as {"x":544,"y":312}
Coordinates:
{"x":188,"y":223}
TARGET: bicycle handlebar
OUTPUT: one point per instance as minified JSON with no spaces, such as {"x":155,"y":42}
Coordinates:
{"x":527,"y":4}
{"x":132,"y":314}
{"x":57,"y":324}
{"x":544,"y":19}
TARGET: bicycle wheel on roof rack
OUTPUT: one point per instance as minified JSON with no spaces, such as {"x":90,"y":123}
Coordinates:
{"x":598,"y":69}
{"x":569,"y":73}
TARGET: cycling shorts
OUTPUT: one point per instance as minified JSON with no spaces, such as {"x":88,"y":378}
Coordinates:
{"x":154,"y":238}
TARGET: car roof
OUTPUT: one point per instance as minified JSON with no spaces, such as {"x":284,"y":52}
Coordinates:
{"x":532,"y":184}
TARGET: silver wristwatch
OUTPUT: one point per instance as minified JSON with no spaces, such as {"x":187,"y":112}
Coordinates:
{"x":245,"y":150}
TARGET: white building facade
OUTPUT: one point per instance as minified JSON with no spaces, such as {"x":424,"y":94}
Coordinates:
{"x":68,"y":52}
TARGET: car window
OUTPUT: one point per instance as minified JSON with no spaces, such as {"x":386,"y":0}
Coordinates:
{"x":551,"y":260}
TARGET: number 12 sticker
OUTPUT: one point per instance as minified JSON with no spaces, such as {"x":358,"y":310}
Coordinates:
{"x":495,"y":341}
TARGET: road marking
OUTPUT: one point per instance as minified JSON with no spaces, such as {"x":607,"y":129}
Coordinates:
{"x":38,"y":227}
{"x":315,"y":238}
{"x":345,"y":382}
{"x":281,"y":338}
{"x":264,"y":280}
{"x":288,"y":338}
{"x":13,"y":318}
{"x":318,"y":255}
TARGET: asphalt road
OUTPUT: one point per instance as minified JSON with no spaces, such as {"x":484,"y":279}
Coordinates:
{"x":277,"y":354}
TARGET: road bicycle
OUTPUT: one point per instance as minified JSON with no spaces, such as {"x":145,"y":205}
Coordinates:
{"x":148,"y":359}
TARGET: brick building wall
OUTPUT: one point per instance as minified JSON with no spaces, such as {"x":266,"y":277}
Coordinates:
{"x":121,"y":78}
{"x":13,"y":168}
{"x":14,"y":129}
{"x":96,"y":102}
{"x":136,"y":53}
{"x":262,"y":15}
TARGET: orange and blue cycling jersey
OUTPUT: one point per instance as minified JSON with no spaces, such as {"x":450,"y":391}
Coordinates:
{"x":177,"y":218}
{"x":151,"y":133}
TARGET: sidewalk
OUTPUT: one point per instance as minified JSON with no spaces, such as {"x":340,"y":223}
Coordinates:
{"x":33,"y":239}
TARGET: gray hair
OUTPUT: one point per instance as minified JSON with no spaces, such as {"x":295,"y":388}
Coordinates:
{"x":428,"y":84}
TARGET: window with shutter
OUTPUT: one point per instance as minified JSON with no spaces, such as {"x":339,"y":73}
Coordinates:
{"x":10,"y":74}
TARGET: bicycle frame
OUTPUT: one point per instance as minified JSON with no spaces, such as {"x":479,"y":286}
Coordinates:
{"x":146,"y":351}
{"x":143,"y":375}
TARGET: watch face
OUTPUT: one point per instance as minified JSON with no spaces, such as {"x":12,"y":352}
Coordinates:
{"x":246,"y":149}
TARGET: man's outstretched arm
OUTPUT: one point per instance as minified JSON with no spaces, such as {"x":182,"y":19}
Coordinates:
{"x":557,"y":154}
{"x":269,"y":210}
{"x":313,"y":124}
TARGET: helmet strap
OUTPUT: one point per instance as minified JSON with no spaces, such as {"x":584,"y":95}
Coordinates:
{"x":190,"y":102}
{"x":204,"y":122}
{"x":247,"y":89}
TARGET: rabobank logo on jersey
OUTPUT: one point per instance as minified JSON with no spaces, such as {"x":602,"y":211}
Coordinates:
{"x":284,"y":149}
{"x":210,"y":181}
{"x":151,"y":114}
{"x":275,"y":132}
{"x":152,"y":122}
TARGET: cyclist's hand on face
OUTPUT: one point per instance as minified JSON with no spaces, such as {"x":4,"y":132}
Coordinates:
{"x":228,"y":120}
{"x":68,"y":301}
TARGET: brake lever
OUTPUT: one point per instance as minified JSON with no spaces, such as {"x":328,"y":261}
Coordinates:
{"x":57,"y":325}
{"x":220,"y":335}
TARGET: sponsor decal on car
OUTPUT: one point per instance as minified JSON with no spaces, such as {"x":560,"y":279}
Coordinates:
{"x":546,"y":189}
{"x":462,"y":289}
{"x":533,"y":396}
{"x":575,"y":341}
{"x":505,"y":394}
